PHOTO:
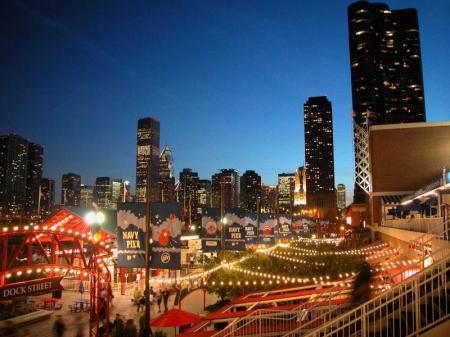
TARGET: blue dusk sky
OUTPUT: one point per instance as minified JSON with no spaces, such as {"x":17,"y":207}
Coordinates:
{"x":226,"y":79}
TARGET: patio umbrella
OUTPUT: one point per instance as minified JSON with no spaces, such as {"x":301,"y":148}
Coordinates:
{"x":175,"y":317}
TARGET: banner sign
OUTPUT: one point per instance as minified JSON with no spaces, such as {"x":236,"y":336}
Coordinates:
{"x":131,"y":235}
{"x":250,"y":226}
{"x":234,"y":229}
{"x":267,"y":228}
{"x":211,"y":235}
{"x":33,"y":287}
{"x":284,"y":226}
{"x":166,"y":235}
{"x":297,"y":226}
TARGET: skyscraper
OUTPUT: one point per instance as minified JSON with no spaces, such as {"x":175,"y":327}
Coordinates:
{"x":47,"y":201}
{"x":166,"y":183}
{"x":341,"y":197}
{"x":103,"y":192}
{"x":21,"y":164}
{"x":300,"y":187}
{"x":269,"y":199}
{"x":204,"y":194}
{"x":117,"y":192}
{"x":319,"y":156}
{"x":286,"y":185}
{"x":147,"y":153}
{"x":187,"y":193}
{"x":86,"y":196}
{"x":226,"y":182}
{"x":70,"y":189}
{"x":250,"y":191}
{"x":386,"y":74}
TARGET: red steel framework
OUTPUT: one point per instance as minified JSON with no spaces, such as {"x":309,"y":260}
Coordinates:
{"x":62,"y":246}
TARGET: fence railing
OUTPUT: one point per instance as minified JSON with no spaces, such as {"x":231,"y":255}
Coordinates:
{"x":423,"y":225}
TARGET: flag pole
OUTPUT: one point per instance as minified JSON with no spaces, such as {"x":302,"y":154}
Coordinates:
{"x":148,"y":247}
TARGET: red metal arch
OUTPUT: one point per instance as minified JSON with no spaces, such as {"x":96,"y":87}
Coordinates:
{"x":61,"y":246}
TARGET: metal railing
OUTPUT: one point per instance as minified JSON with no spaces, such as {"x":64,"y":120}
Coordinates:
{"x":410,"y":308}
{"x":272,"y":322}
{"x":423,"y":225}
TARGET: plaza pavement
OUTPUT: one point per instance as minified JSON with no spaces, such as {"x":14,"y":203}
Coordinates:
{"x":122,"y":304}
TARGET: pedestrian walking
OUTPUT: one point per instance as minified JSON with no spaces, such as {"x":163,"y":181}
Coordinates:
{"x":141,"y":302}
{"x":159,"y":300}
{"x":165,"y":296}
{"x":59,"y":327}
{"x":137,"y":294}
{"x":130,"y":329}
{"x":118,"y":326}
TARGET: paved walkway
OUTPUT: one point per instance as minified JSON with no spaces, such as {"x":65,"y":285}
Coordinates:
{"x":122,"y":304}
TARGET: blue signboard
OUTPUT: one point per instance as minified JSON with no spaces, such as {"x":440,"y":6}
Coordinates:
{"x":284,"y":226}
{"x":131,"y":235}
{"x":234,"y":229}
{"x":250,"y":227}
{"x":211,"y":234}
{"x":266,"y":228}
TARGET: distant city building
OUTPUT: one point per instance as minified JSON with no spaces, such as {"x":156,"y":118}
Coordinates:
{"x":250,"y":191}
{"x":300,"y":187}
{"x":103,"y":192}
{"x":166,"y":183}
{"x":187,"y":192}
{"x":386,"y":75}
{"x":286,"y":185}
{"x":341,"y":203}
{"x":147,"y":153}
{"x":71,"y":190}
{"x":47,"y":197}
{"x":321,"y":196}
{"x":86,"y":196}
{"x":203,"y":194}
{"x":21,"y":164}
{"x":225,"y":183}
{"x":117,"y":192}
{"x":269,"y":199}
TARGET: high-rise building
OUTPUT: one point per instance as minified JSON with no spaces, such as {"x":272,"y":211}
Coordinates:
{"x":250,"y":191}
{"x":70,"y":189}
{"x":269,"y":199}
{"x":117,"y":192}
{"x":341,"y":197}
{"x":286,"y":185}
{"x":147,"y":153}
{"x":203,"y":194}
{"x":386,"y":75}
{"x":187,"y":193}
{"x":47,"y":197}
{"x":166,"y":183}
{"x":103,"y":192}
{"x":21,"y":164}
{"x":320,"y":191}
{"x":225,"y":182}
{"x":300,"y":187}
{"x":86,"y":195}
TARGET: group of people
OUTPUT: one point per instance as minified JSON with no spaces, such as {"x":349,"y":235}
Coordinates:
{"x":162,"y":296}
{"x":129,"y":328}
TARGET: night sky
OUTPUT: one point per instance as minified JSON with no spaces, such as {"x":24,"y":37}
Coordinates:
{"x":226,"y":79}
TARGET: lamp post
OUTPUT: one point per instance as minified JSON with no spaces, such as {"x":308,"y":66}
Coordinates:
{"x":147,"y":249}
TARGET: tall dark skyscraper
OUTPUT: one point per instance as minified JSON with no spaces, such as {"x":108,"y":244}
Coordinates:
{"x":250,"y":191}
{"x":320,"y":191}
{"x":166,"y":183}
{"x":147,"y":153}
{"x":47,"y":201}
{"x":229,"y":179}
{"x":71,"y":190}
{"x":386,"y":74}
{"x":20,"y":176}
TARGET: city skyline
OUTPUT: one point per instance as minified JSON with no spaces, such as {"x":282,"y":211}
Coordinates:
{"x":272,"y":109}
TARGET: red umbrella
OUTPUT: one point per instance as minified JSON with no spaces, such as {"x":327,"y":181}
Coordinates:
{"x":175,"y":317}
